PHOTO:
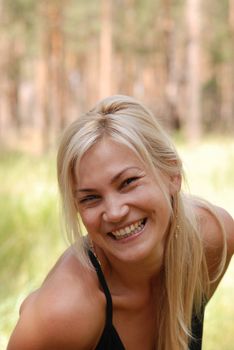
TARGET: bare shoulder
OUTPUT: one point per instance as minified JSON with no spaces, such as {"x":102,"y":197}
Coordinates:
{"x":67,"y":312}
{"x":217,"y":230}
{"x":228,"y":224}
{"x":213,"y":220}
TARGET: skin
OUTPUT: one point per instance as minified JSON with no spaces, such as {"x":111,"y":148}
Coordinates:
{"x":68,"y":311}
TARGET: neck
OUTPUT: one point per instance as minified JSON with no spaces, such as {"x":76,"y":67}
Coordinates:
{"x":138,"y":275}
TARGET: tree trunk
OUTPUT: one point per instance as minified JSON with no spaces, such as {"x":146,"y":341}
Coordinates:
{"x":45,"y":76}
{"x":171,"y":71}
{"x":10,"y":69}
{"x":129,"y":56}
{"x":14,"y":72}
{"x":52,"y":83}
{"x":5,"y":120}
{"x":226,"y":79}
{"x":105,"y":79}
{"x":58,"y":65}
{"x":193,"y":127}
{"x":230,"y":116}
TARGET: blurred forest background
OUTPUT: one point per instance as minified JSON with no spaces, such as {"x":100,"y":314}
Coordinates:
{"x":57,"y":58}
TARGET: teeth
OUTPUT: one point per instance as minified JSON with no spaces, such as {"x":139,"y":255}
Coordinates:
{"x":128,"y":230}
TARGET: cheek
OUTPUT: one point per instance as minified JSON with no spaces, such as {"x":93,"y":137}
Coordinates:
{"x":154,"y":198}
{"x":159,"y":205}
{"x":89,"y":219}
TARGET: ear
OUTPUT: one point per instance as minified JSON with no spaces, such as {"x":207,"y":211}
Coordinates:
{"x":175,"y":184}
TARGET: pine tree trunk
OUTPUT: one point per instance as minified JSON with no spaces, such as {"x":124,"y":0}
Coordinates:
{"x":230,"y":122}
{"x":10,"y":65}
{"x":45,"y":76}
{"x":14,"y":72}
{"x":58,"y":65}
{"x":5,"y":120}
{"x":170,"y":64}
{"x":193,"y":126}
{"x":105,"y":79}
{"x":52,"y":67}
{"x":129,"y":57}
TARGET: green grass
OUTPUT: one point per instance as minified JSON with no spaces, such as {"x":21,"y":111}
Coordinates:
{"x":31,"y":238}
{"x":209,"y":170}
{"x":219,"y":319}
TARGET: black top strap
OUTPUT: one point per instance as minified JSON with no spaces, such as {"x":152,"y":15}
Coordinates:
{"x":104,"y":286}
{"x":110,"y":339}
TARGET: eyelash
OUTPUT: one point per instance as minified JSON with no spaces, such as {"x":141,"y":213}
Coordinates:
{"x":88,"y":198}
{"x":128,"y":181}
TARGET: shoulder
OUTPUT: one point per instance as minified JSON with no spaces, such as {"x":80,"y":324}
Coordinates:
{"x":216,"y":226}
{"x":217,"y":233}
{"x":67,"y":312}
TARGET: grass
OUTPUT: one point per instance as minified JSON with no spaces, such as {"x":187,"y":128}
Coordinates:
{"x":209,"y":168}
{"x":210,"y":171}
{"x":31,"y":239}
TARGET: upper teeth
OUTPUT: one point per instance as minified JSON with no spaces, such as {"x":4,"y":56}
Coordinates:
{"x":128,"y":230}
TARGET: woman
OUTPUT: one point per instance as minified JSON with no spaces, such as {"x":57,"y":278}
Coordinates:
{"x":152,"y":256}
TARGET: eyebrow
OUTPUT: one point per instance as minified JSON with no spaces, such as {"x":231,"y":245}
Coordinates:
{"x":113,"y":180}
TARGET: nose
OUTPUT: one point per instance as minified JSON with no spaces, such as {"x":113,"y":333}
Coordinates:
{"x":115,"y":210}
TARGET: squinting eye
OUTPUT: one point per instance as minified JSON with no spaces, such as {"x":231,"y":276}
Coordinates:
{"x":88,"y":198}
{"x":129,"y":181}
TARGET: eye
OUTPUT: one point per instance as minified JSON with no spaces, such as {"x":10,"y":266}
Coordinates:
{"x":89,"y":198}
{"x":129,"y":181}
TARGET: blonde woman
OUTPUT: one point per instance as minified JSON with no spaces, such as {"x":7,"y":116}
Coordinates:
{"x":151,"y":258}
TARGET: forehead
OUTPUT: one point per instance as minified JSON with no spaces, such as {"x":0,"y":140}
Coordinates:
{"x":106,"y":158}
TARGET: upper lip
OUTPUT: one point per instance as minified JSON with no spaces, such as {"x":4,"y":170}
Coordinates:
{"x":117,"y":228}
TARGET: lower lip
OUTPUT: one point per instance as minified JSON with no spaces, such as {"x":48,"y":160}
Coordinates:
{"x":130,"y":238}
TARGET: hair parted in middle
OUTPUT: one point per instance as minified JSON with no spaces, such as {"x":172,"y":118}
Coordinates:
{"x":186,"y":281}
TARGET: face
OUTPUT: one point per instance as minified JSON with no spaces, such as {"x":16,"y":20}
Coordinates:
{"x":122,"y":207}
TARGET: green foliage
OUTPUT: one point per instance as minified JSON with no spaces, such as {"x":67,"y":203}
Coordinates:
{"x":17,"y":7}
{"x":81,"y":24}
{"x":19,"y":22}
{"x":19,"y":14}
{"x":138,"y":26}
{"x":216,"y":31}
{"x":151,"y":32}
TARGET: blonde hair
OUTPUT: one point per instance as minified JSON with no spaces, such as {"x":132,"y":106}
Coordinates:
{"x":186,"y":280}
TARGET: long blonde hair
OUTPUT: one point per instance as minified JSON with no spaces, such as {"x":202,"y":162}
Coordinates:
{"x":186,"y":280}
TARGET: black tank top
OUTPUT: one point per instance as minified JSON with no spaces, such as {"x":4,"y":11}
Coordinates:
{"x":110,"y":339}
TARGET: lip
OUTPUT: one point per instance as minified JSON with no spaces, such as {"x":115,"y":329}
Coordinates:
{"x":125,"y":225}
{"x":131,"y":237}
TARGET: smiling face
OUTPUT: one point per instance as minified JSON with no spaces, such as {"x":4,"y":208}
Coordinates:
{"x":124,"y":210}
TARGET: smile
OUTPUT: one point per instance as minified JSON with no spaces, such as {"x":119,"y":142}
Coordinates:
{"x":129,"y":230}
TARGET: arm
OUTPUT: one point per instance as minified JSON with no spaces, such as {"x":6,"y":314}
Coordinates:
{"x":67,"y":312}
{"x":42,"y":327}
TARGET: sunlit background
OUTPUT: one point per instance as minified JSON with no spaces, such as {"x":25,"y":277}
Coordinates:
{"x":57,"y":58}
